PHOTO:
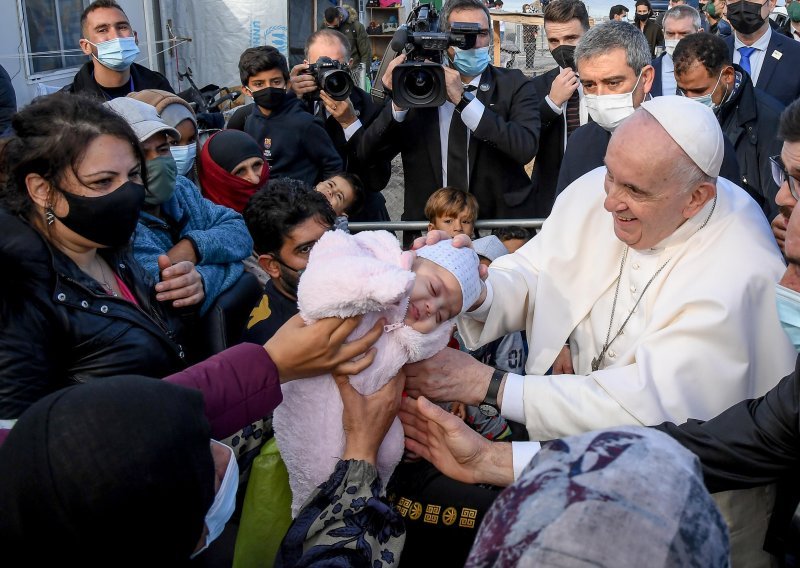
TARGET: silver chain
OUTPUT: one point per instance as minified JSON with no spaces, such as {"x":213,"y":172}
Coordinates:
{"x":597,"y":361}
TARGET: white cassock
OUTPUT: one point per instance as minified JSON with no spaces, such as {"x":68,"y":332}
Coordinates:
{"x":704,"y":336}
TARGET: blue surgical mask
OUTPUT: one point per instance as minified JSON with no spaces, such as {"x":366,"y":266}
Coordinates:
{"x":706,"y":99}
{"x":471,"y":62}
{"x":184,"y":157}
{"x":788,"y":303}
{"x":224,"y":501}
{"x":117,"y":54}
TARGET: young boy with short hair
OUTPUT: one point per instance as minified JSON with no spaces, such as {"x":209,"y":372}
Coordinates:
{"x":453,"y":211}
{"x":346,"y":194}
{"x":294,"y":142}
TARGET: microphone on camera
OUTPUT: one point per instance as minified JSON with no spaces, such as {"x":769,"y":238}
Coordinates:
{"x":399,"y":39}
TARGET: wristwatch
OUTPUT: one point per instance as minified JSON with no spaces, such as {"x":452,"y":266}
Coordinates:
{"x":466,"y":98}
{"x":489,"y":405}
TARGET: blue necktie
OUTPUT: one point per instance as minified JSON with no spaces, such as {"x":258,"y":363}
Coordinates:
{"x":744,"y":62}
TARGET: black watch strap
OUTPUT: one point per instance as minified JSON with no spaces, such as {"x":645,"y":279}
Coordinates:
{"x":466,"y":98}
{"x":494,"y":387}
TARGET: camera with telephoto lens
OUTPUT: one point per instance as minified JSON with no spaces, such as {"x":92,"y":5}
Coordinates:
{"x":420,"y":82}
{"x":332,"y":77}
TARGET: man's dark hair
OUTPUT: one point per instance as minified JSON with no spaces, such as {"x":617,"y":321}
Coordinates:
{"x":50,"y":138}
{"x":454,"y":5}
{"x":279,"y":207}
{"x":329,"y":35}
{"x":512,"y":232}
{"x":563,"y":11}
{"x":644,"y":3}
{"x":789,"y":126}
{"x":617,"y":10}
{"x":708,"y":49}
{"x":96,"y":5}
{"x":254,"y":60}
{"x":331,"y":14}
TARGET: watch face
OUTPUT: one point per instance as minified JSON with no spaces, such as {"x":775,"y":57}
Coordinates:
{"x":488,"y":410}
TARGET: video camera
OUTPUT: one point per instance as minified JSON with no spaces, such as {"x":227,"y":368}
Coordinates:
{"x":420,"y":82}
{"x":332,"y":77}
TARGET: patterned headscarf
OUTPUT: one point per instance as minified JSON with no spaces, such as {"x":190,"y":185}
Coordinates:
{"x":623,"y":497}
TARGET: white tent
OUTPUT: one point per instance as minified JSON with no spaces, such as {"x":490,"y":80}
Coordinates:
{"x":220,"y":30}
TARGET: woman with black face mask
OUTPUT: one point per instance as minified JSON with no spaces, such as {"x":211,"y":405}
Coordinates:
{"x":651,"y":30}
{"x":75,"y":305}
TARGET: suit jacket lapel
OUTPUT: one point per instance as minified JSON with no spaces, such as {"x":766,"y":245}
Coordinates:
{"x":485,"y":94}
{"x":770,"y":63}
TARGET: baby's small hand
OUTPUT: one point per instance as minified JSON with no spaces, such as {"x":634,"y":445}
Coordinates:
{"x":563,"y":363}
{"x":459,"y":409}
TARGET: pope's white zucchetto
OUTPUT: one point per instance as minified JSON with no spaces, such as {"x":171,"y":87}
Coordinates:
{"x":693,"y":126}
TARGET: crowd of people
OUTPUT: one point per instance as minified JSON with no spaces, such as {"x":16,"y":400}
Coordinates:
{"x":606,"y":390}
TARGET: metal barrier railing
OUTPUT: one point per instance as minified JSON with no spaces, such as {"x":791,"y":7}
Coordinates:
{"x":423,"y":225}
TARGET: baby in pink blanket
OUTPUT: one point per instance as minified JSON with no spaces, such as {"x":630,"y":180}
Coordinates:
{"x":417,"y":293}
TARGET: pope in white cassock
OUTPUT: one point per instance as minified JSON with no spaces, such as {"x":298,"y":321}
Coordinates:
{"x":659,"y":276}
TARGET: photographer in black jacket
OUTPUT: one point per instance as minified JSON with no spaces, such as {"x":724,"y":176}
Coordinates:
{"x":345,"y":121}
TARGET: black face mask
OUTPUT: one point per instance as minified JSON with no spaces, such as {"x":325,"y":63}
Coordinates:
{"x":565,"y":56}
{"x":108,"y":220}
{"x":745,"y":17}
{"x":642,"y":17}
{"x":269,"y":98}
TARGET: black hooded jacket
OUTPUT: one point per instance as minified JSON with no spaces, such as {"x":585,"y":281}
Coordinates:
{"x":749,"y":119}
{"x":141,"y":78}
{"x":59,"y":328}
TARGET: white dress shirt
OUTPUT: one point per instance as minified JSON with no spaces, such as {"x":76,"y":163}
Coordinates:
{"x":757,"y":57}
{"x":562,"y":110}
{"x":669,"y":86}
{"x":471,"y":116}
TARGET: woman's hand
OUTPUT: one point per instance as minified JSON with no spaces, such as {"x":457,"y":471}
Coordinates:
{"x":367,"y":418}
{"x":180,"y":283}
{"x":300,"y":350}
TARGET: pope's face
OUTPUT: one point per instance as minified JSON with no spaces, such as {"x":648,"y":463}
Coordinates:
{"x":641,"y":194}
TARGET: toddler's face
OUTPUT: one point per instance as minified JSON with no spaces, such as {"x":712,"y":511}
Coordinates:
{"x":339,"y":193}
{"x":435,"y":298}
{"x":461,"y":224}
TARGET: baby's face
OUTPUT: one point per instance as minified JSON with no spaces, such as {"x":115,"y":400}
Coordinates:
{"x":339,"y":193}
{"x":435,"y":298}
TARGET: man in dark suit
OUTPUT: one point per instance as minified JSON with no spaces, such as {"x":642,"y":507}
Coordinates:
{"x":479,"y":140}
{"x":561,"y":105}
{"x":757,"y":442}
{"x":748,"y":116}
{"x":604,"y":56}
{"x":679,"y":22}
{"x":345,"y":121}
{"x":771,"y":59}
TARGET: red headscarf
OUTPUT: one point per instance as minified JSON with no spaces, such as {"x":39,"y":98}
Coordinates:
{"x":221,"y":186}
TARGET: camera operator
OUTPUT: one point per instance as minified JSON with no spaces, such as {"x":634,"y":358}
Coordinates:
{"x":346,"y":120}
{"x":479,"y":140}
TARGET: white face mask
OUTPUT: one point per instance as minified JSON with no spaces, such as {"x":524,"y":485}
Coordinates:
{"x":608,"y":111}
{"x":669,"y":46}
{"x":224,"y":501}
{"x":707,"y":99}
{"x":184,"y":157}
